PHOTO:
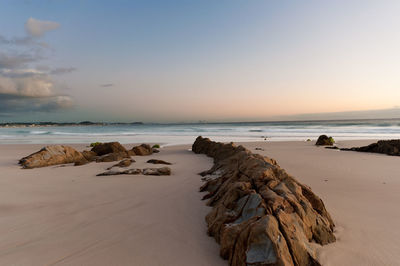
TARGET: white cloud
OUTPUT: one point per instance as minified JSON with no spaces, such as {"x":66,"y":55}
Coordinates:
{"x":36,"y":28}
{"x":24,"y":86}
{"x":26,"y":83}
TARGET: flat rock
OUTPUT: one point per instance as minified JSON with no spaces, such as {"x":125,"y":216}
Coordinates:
{"x":133,"y":171}
{"x":52,"y":155}
{"x":123,"y":163}
{"x":155,"y":161}
{"x":157,"y":171}
{"x":260,"y":214}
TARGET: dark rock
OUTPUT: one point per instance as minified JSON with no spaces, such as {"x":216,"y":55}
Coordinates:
{"x":324,"y":140}
{"x":142,"y":150}
{"x":332,"y":147}
{"x":124,"y":163}
{"x":389,"y":147}
{"x":157,"y":171}
{"x":155,"y":161}
{"x":109,"y":147}
{"x":260,"y":214}
{"x":52,"y":155}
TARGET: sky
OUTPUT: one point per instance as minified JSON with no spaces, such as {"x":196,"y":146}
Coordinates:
{"x":187,"y":60}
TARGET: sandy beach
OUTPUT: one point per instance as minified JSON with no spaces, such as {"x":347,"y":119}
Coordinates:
{"x":68,"y":216}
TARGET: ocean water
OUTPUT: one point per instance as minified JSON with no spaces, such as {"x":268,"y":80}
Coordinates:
{"x":172,"y":134}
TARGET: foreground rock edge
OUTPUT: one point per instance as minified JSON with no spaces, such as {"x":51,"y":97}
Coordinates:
{"x":261,"y":215}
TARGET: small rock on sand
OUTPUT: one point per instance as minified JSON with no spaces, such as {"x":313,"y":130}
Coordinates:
{"x":155,"y":161}
{"x":157,"y":171}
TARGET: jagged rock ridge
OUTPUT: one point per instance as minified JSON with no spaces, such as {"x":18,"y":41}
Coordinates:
{"x":261,"y":215}
{"x":389,"y":147}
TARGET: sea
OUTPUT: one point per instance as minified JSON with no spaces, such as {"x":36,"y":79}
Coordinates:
{"x":186,"y":133}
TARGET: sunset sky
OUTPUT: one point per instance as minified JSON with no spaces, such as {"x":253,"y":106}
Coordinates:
{"x":172,"y":61}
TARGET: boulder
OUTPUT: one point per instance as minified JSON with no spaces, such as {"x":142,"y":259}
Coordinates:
{"x":108,"y":147}
{"x":133,"y":171}
{"x":52,"y":155}
{"x":260,"y":214}
{"x":142,"y":150}
{"x":81,"y":162}
{"x":124,"y":163}
{"x":89,"y":155}
{"x":155,"y":161}
{"x":324,"y":140}
{"x":157,"y":171}
{"x":389,"y":147}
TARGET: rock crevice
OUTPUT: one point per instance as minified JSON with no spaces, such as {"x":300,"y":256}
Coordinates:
{"x":260,"y":214}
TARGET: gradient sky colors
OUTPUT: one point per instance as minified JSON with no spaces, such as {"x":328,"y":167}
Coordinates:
{"x":172,"y":61}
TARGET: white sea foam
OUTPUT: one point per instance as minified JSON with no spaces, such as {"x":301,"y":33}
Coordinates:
{"x":186,"y":133}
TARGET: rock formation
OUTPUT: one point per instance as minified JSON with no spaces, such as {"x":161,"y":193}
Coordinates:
{"x":389,"y":147}
{"x":261,"y":215}
{"x":324,"y":140}
{"x":101,"y":152}
{"x":52,"y":155}
{"x":155,"y":161}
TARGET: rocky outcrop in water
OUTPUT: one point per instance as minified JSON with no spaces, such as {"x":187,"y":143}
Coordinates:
{"x":52,"y":155}
{"x":389,"y":147}
{"x":324,"y":140}
{"x":260,"y":214}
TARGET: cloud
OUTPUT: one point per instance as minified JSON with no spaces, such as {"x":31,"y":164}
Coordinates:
{"x":11,"y":104}
{"x":24,"y":85}
{"x":37,"y":28}
{"x":107,"y":85}
{"x":62,"y":70}
{"x":13,"y":60}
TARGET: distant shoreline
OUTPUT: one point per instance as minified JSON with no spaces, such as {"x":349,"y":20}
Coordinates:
{"x":67,"y":124}
{"x":90,"y":123}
